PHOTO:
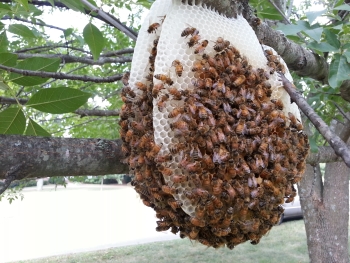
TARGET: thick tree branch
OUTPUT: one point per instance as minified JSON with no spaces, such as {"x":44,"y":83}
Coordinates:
{"x":59,"y":75}
{"x":81,"y":112}
{"x":42,"y":157}
{"x":334,"y":141}
{"x":74,"y":59}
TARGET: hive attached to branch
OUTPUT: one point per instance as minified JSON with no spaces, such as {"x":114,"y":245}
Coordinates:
{"x":210,"y":135}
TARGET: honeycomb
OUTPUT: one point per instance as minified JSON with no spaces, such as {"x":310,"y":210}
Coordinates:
{"x":209,"y":133}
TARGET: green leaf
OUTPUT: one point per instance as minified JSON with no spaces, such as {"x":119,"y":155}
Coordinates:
{"x":144,"y":3}
{"x":34,"y":129}
{"x":323,"y":47}
{"x":270,"y":13}
{"x":313,"y":144}
{"x":4,"y":86}
{"x":52,"y":2}
{"x":24,"y":3}
{"x":21,"y":30}
{"x":5,"y":9}
{"x":314,"y":33}
{"x":58,"y":100}
{"x":8,"y":59}
{"x":3,"y":41}
{"x":331,"y":38}
{"x":12,"y":121}
{"x":311,"y":16}
{"x":68,"y":32}
{"x":339,"y":71}
{"x":342,"y":7}
{"x":95,"y":40}
{"x":74,"y":5}
{"x":34,"y":64}
{"x":2,"y":26}
{"x":347,"y":55}
{"x":293,"y":29}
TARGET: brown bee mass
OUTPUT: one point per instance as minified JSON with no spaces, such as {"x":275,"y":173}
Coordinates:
{"x":238,"y":152}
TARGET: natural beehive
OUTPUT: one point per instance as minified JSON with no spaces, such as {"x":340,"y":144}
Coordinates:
{"x":209,"y":132}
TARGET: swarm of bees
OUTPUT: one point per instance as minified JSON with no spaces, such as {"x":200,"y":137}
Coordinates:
{"x":237,"y":154}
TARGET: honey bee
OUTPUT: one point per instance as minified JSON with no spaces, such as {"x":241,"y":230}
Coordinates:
{"x":201,"y":47}
{"x":169,"y":190}
{"x":156,"y":89}
{"x":164,"y":78}
{"x":198,"y":83}
{"x":193,"y":40}
{"x":194,"y":167}
{"x":180,"y":124}
{"x":197,"y":222}
{"x":240,"y":126}
{"x":295,"y":123}
{"x":158,"y":196}
{"x":220,"y":85}
{"x":141,"y":86}
{"x":165,"y":171}
{"x":213,"y":73}
{"x":195,"y":153}
{"x":155,"y":148}
{"x":153,"y":27}
{"x":147,"y":203}
{"x":175,"y":112}
{"x":189,"y":31}
{"x":239,"y":80}
{"x":220,"y":232}
{"x":174,"y":203}
{"x":178,"y":67}
{"x":197,"y":66}
{"x":278,"y":103}
{"x":178,"y":179}
{"x":194,"y":233}
{"x":216,"y":201}
{"x":217,"y":185}
{"x":221,"y":44}
{"x":177,"y":148}
{"x":161,"y":102}
{"x":163,"y":158}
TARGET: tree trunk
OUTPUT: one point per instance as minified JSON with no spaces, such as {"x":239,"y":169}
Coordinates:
{"x":326,"y":209}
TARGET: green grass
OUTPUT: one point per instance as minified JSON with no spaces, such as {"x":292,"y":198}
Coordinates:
{"x":284,"y":243}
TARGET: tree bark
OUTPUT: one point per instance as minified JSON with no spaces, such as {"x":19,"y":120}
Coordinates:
{"x":43,"y":157}
{"x":325,"y":207}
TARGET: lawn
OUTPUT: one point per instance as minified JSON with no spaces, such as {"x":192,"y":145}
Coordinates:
{"x":284,"y":243}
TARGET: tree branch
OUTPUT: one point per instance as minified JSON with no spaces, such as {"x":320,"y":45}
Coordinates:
{"x":111,"y":20}
{"x":59,"y":156}
{"x":72,"y":157}
{"x":81,"y":112}
{"x":334,"y":141}
{"x":74,"y":59}
{"x":59,"y":75}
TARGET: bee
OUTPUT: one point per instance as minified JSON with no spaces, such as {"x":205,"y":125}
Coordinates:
{"x":213,"y":73}
{"x":220,"y":85}
{"x":194,"y":167}
{"x":163,"y":158}
{"x":240,"y":126}
{"x":201,"y":47}
{"x":239,"y":80}
{"x":169,"y":190}
{"x":174,"y":203}
{"x":221,"y":44}
{"x":141,"y":86}
{"x":155,"y":148}
{"x":161,"y":102}
{"x":217,"y":185}
{"x":156,"y":89}
{"x":204,"y":194}
{"x":295,"y":123}
{"x":198,"y":83}
{"x":147,"y":203}
{"x":153,"y":27}
{"x":189,"y":31}
{"x":194,"y":233}
{"x":195,"y":153}
{"x":175,"y":112}
{"x":165,"y":171}
{"x":267,"y":107}
{"x":221,"y":135}
{"x":158,"y":196}
{"x":193,"y":40}
{"x":175,"y":148}
{"x":180,"y":124}
{"x":200,"y":210}
{"x":278,"y":103}
{"x":263,"y":146}
{"x":197,"y":222}
{"x":178,"y":67}
{"x":197,"y":66}
{"x":164,"y":79}
{"x":178,"y":179}
{"x":216,"y":201}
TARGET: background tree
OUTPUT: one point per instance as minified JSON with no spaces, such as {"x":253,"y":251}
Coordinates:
{"x":55,"y":87}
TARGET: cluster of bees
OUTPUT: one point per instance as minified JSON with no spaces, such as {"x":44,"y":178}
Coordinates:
{"x":237,"y":147}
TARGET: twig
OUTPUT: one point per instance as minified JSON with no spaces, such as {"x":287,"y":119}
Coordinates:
{"x":10,"y":176}
{"x":341,"y":111}
{"x":279,"y":11}
{"x":44,"y":74}
{"x":112,"y":20}
{"x":334,"y":141}
{"x":74,"y":59}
